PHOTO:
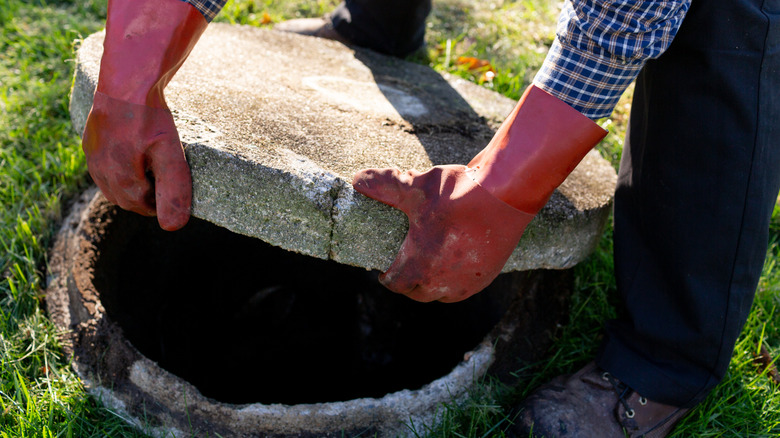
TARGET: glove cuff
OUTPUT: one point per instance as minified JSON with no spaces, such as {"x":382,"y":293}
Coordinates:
{"x":534,"y":150}
{"x":146,"y":42}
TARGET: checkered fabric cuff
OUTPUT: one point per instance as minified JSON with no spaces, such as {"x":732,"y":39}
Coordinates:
{"x":590,"y":83}
{"x":601,"y":46}
{"x":209,"y":8}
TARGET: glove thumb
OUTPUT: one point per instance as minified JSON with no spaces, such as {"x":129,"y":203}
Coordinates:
{"x":390,"y":186}
{"x":172,"y":182}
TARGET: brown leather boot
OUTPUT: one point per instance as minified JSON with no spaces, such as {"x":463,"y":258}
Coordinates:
{"x":593,"y":403}
{"x":320,"y":27}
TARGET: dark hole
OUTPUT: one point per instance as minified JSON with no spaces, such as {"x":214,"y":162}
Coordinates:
{"x":247,"y":322}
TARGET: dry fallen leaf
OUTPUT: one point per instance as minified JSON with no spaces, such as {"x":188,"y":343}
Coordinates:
{"x":472,"y":63}
{"x":764,"y":363}
{"x":476,"y":66}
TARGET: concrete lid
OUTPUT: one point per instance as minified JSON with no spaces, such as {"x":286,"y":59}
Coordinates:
{"x":276,"y":124}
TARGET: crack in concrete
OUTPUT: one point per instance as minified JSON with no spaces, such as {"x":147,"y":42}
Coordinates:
{"x":335,"y":193}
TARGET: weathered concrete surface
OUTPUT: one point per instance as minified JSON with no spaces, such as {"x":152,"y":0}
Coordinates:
{"x":275,"y":125}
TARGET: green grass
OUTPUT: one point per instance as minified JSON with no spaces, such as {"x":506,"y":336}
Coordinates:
{"x":41,"y":167}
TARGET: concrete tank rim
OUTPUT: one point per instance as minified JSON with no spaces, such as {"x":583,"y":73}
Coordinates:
{"x":447,"y":388}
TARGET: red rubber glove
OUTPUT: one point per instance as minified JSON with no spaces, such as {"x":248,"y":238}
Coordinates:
{"x":464,"y":222}
{"x":132,"y":147}
{"x":134,"y":155}
{"x":459,"y":235}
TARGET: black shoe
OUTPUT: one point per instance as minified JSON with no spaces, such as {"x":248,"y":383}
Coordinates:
{"x":320,"y":27}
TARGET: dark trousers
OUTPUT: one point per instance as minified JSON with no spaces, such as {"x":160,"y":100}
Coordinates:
{"x":393,"y":27}
{"x":697,"y":183}
{"x":698,"y":180}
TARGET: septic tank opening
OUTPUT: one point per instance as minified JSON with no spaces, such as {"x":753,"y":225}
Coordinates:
{"x":247,"y":322}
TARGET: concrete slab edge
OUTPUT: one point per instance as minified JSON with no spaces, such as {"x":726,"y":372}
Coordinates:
{"x":292,"y":203}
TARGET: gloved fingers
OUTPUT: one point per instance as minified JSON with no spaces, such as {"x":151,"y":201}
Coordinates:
{"x":459,"y":237}
{"x":407,"y":279}
{"x":458,"y":298}
{"x":128,"y":192}
{"x":450,"y":261}
{"x":410,"y":272}
{"x":389,"y":186}
{"x":404,"y":284}
{"x":172,"y":183}
{"x":132,"y":192}
{"x":424,"y":295}
{"x":415,"y":288}
{"x":103,"y":185}
{"x":403,"y":276}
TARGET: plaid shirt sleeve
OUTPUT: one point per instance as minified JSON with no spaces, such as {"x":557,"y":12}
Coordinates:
{"x":209,"y":8}
{"x":600,"y":47}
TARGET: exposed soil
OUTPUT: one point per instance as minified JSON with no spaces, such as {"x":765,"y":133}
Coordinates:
{"x":247,"y":322}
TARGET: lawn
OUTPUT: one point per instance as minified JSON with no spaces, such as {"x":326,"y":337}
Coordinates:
{"x":41,"y":168}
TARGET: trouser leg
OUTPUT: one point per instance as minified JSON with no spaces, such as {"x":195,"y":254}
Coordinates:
{"x":394,"y":27}
{"x":698,"y":181}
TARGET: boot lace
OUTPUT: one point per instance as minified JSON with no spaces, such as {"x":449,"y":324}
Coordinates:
{"x":623,"y":392}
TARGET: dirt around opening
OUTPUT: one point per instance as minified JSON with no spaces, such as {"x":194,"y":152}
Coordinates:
{"x":246,"y":322}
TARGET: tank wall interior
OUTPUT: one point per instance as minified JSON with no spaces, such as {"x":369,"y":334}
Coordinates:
{"x":246,"y":322}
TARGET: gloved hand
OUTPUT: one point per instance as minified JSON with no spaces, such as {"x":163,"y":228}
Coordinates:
{"x":132,"y":147}
{"x":134,"y":155}
{"x":465,"y":221}
{"x":459,"y":235}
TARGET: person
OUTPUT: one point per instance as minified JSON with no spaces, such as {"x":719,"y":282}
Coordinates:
{"x":696,"y":186}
